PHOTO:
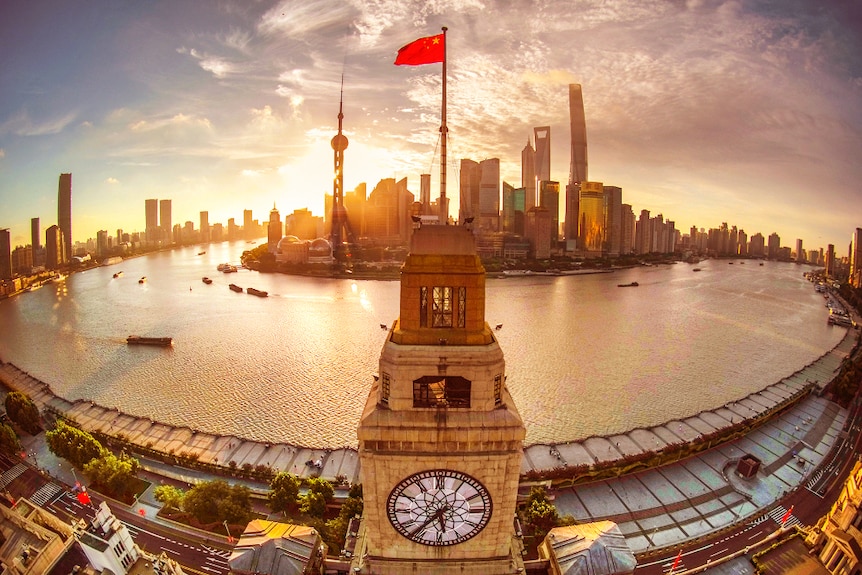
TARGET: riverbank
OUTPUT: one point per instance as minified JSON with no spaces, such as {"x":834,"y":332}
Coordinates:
{"x":571,"y":462}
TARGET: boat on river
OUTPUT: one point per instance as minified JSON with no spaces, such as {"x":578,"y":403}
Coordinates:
{"x":159,"y":341}
{"x":142,"y":280}
{"x":118,"y":274}
{"x":257,"y":292}
{"x":633,"y":284}
{"x":206,"y":280}
{"x":235,"y":288}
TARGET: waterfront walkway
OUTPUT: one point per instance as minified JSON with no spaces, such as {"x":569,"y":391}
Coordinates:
{"x":654,"y":508}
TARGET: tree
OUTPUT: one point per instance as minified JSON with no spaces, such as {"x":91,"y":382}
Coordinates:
{"x":323,"y":487}
{"x":313,"y":504}
{"x":22,"y":411}
{"x":216,"y":501}
{"x":336,"y":529}
{"x":113,"y":473}
{"x":172,"y":497}
{"x":284,"y":492}
{"x":76,"y":446}
{"x":540,"y":515}
{"x":8,"y":440}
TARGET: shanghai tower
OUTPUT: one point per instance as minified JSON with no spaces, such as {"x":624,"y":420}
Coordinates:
{"x":578,"y":167}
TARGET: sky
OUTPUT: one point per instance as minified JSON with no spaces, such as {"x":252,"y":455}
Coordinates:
{"x":740,"y":111}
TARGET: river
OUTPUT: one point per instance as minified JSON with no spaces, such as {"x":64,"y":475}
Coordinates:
{"x":583,"y":356}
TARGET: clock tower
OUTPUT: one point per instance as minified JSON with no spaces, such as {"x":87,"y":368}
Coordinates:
{"x":440,"y":439}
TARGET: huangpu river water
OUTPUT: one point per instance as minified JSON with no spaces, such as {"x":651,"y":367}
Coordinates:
{"x":583,"y":356}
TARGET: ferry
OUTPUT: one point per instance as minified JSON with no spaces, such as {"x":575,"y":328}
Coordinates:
{"x":206,"y":280}
{"x":226,"y":268}
{"x":201,"y":253}
{"x":235,"y":288}
{"x":633,"y":284}
{"x":142,"y":280}
{"x":696,"y":270}
{"x":257,"y":292}
{"x":160,"y":341}
{"x":118,"y":274}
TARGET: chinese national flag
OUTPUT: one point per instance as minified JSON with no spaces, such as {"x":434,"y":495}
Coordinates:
{"x":83,"y":497}
{"x":422,"y":51}
{"x":786,"y":516}
{"x":676,"y":561}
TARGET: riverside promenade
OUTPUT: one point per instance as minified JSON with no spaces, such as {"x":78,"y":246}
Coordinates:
{"x":654,"y":508}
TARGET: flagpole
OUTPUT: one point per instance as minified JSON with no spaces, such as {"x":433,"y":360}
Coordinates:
{"x":444,"y":133}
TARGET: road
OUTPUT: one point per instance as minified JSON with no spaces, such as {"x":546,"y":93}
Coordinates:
{"x":193,"y":554}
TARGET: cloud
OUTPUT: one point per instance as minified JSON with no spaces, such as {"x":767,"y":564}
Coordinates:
{"x":295,"y":19}
{"x":21,"y":124}
{"x":217,"y":66}
{"x":112,"y":181}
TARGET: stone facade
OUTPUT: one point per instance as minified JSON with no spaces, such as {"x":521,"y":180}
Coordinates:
{"x":440,"y":402}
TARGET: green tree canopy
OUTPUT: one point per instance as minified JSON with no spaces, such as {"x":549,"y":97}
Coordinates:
{"x":313,"y":504}
{"x":8,"y":440}
{"x":76,"y":446}
{"x":323,"y":487}
{"x":113,"y":473}
{"x":216,"y":501}
{"x":172,"y":497}
{"x":22,"y":411}
{"x":540,"y":515}
{"x":284,"y":492}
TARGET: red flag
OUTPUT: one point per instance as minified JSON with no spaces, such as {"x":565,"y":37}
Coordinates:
{"x":142,"y":512}
{"x":786,"y":516}
{"x":422,"y":51}
{"x":676,"y":561}
{"x":83,"y":497}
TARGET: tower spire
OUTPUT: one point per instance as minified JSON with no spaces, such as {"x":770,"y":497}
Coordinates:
{"x":339,"y":213}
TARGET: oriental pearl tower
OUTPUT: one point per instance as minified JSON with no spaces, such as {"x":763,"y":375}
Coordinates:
{"x":340,"y":224}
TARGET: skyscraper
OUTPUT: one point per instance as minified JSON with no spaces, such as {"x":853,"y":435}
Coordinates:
{"x":425,"y":193}
{"x":591,"y":219}
{"x":36,"y":242}
{"x":151,"y":214}
{"x":64,"y":214}
{"x":274,"y":230}
{"x":247,"y":225}
{"x":578,"y":123}
{"x":54,"y":248}
{"x":489,"y":194}
{"x":856,"y":258}
{"x":469,"y":189}
{"x":830,"y":260}
{"x":773,"y":245}
{"x":513,"y":209}
{"x":35,"y":237}
{"x":613,"y":220}
{"x":542,"y":135}
{"x":528,"y":175}
{"x":549,"y":198}
{"x":165,"y":222}
{"x":205,"y":226}
{"x":578,"y":166}
{"x":5,"y":255}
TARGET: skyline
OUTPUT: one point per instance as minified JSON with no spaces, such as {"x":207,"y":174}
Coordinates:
{"x":705,"y":112}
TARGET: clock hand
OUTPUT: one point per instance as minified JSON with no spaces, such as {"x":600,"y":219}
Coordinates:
{"x":441,"y":516}
{"x":437,"y":514}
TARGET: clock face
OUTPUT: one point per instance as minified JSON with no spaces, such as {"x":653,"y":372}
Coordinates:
{"x":439,"y":507}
